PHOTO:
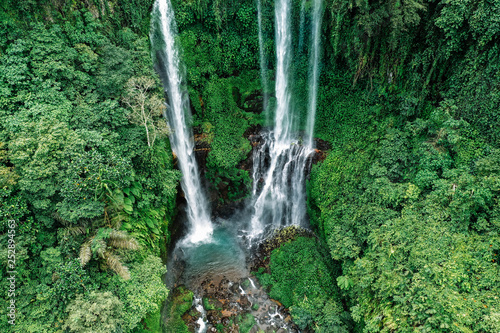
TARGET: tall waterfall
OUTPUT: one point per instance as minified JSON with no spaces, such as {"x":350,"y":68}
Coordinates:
{"x":313,"y":72}
{"x":263,"y":62}
{"x":279,"y":162}
{"x":163,"y":32}
{"x":283,"y":124}
{"x":302,"y":24}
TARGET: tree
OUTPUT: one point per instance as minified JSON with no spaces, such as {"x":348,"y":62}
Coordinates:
{"x":302,"y":279}
{"x":103,"y":244}
{"x":7,"y":174}
{"x":146,"y":107}
{"x":97,"y":312}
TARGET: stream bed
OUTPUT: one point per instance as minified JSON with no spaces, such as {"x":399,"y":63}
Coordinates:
{"x":227,"y":297}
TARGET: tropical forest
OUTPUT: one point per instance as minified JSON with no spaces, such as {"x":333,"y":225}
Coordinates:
{"x":253,"y":166}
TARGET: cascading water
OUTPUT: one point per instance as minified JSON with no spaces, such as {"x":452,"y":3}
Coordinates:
{"x":283,"y":125}
{"x":197,"y":304}
{"x":279,"y":162}
{"x":313,"y":71}
{"x":263,"y":66}
{"x":163,"y":33}
{"x":302,"y":24}
{"x":217,"y":270}
{"x":279,"y":188}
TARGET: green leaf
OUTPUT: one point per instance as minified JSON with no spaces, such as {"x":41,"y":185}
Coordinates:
{"x":150,"y":223}
{"x":127,"y":202}
{"x":128,"y":209}
{"x":118,"y":196}
{"x":136,"y":191}
{"x":344,"y":282}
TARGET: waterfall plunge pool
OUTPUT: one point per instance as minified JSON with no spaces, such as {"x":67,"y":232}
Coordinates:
{"x":223,"y":255}
{"x":225,"y":293}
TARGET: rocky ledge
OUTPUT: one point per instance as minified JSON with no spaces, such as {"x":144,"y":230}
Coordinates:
{"x":237,"y":306}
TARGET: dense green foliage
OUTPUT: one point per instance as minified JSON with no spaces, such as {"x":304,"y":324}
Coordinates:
{"x":406,"y":202}
{"x":416,"y":51}
{"x":412,"y":214}
{"x":301,"y":277}
{"x":91,"y":199}
{"x":180,"y":303}
{"x":227,"y":123}
{"x":407,"y":199}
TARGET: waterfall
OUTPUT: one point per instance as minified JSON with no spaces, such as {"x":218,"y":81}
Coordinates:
{"x":302,"y":24}
{"x":283,"y":123}
{"x":313,"y":71}
{"x":198,"y":305}
{"x":163,"y":32}
{"x":279,"y":162}
{"x":263,"y":62}
{"x":279,"y":188}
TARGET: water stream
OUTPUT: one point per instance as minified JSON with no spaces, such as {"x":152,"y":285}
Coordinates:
{"x":281,"y":160}
{"x":314,"y":70}
{"x":271,"y":199}
{"x":263,"y":61}
{"x":202,"y":320}
{"x":166,"y":54}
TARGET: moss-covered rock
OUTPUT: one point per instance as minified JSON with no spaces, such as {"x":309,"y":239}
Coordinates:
{"x":246,"y":323}
{"x":207,"y":304}
{"x":180,"y":304}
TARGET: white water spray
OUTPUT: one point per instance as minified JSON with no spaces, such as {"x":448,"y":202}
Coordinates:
{"x":283,"y":124}
{"x":313,"y":72}
{"x":252,"y":283}
{"x":177,"y":115}
{"x":279,"y":162}
{"x":202,"y":320}
{"x":302,"y":24}
{"x":263,"y":62}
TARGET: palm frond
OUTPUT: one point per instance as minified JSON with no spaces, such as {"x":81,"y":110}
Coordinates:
{"x":70,"y":229}
{"x":122,"y":240}
{"x":99,"y":246}
{"x":116,"y":219}
{"x":115,"y":264}
{"x":74,"y":231}
{"x":85,"y":253}
{"x":59,"y":219}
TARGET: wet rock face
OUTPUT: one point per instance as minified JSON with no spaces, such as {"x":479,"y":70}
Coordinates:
{"x":239,"y":306}
{"x":190,"y":319}
{"x":322,"y":145}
